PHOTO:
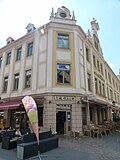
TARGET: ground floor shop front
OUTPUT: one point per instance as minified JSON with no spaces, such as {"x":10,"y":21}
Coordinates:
{"x":61,"y":113}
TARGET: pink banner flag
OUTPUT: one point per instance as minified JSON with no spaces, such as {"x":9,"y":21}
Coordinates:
{"x":31,"y":110}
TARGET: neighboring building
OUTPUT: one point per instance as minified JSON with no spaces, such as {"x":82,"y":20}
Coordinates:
{"x":63,"y":68}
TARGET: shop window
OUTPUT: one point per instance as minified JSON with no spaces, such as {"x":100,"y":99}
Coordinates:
{"x":63,"y":41}
{"x":63,"y":73}
{"x":30,"y":49}
{"x":18,"y":55}
{"x":8,"y":58}
{"x":40,"y":116}
{"x":5,"y":84}
{"x":28,"y":79}
{"x":16,"y":81}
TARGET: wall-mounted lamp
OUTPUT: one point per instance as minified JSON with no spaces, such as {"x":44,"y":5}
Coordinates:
{"x":42,"y":30}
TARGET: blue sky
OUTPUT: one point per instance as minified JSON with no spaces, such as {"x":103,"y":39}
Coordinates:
{"x":15,"y":15}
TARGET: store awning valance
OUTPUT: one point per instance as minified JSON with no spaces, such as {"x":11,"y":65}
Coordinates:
{"x":115,"y":108}
{"x":10,"y":105}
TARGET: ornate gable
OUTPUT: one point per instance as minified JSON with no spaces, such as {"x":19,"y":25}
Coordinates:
{"x":63,"y":15}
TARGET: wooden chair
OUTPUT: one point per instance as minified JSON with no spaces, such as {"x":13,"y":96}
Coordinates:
{"x":86,"y":131}
{"x":98,"y":132}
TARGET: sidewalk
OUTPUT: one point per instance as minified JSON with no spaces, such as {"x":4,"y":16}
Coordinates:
{"x":106,"y":148}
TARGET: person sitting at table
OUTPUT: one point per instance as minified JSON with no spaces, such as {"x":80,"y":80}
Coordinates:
{"x":18,"y":133}
{"x":92,"y":125}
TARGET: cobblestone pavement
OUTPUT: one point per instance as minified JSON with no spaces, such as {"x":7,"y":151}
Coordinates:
{"x":106,"y":148}
{"x":86,"y":148}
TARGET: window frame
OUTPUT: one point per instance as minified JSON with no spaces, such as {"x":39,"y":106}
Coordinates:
{"x":18,"y":54}
{"x":28,"y":76}
{"x":29,"y":49}
{"x":5,"y":84}
{"x":89,"y":81}
{"x":63,"y":41}
{"x":16,"y":81}
{"x":87,"y":54}
{"x":8,"y":58}
{"x":64,"y":70}
{"x":1,"y":61}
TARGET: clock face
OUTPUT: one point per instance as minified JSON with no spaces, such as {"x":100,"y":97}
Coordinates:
{"x":62,"y":14}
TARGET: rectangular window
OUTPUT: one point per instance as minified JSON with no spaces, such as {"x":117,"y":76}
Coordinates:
{"x":28,"y":78}
{"x":113,"y":82}
{"x":96,"y":42}
{"x":16,"y":81}
{"x":8,"y":58}
{"x":109,"y":77}
{"x":5,"y":84}
{"x":115,"y":97}
{"x":63,"y":73}
{"x":18,"y":55}
{"x":98,"y":65}
{"x":89,"y":81}
{"x":30,"y":49}
{"x":106,"y":74}
{"x":87,"y":55}
{"x":94,"y":61}
{"x":101,"y":68}
{"x":0,"y":62}
{"x":103,"y":89}
{"x":96,"y":86}
{"x":111,"y":94}
{"x":63,"y":41}
{"x":100,"y":88}
{"x":108,"y":93}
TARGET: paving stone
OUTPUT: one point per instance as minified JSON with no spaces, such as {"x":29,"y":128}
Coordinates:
{"x":86,"y":148}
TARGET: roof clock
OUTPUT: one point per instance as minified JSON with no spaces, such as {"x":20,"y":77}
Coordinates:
{"x":63,"y":14}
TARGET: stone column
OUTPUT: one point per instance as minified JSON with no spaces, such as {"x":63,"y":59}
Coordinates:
{"x":49,"y":115}
{"x":76,"y":118}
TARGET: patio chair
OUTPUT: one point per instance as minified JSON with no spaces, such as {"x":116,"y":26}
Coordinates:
{"x":86,"y":131}
{"x":98,"y":132}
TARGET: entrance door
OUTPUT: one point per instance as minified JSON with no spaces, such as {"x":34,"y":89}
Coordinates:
{"x":60,"y":121}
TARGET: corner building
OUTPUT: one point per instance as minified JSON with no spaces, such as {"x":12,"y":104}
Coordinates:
{"x":64,"y":70}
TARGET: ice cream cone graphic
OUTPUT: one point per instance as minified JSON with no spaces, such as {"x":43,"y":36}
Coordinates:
{"x":31,"y":110}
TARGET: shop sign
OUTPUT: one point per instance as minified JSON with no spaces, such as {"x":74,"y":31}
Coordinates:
{"x":64,"y":98}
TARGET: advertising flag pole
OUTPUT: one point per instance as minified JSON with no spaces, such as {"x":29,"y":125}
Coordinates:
{"x":31,"y":110}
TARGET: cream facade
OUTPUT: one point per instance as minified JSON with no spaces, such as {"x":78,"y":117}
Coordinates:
{"x":64,"y":69}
